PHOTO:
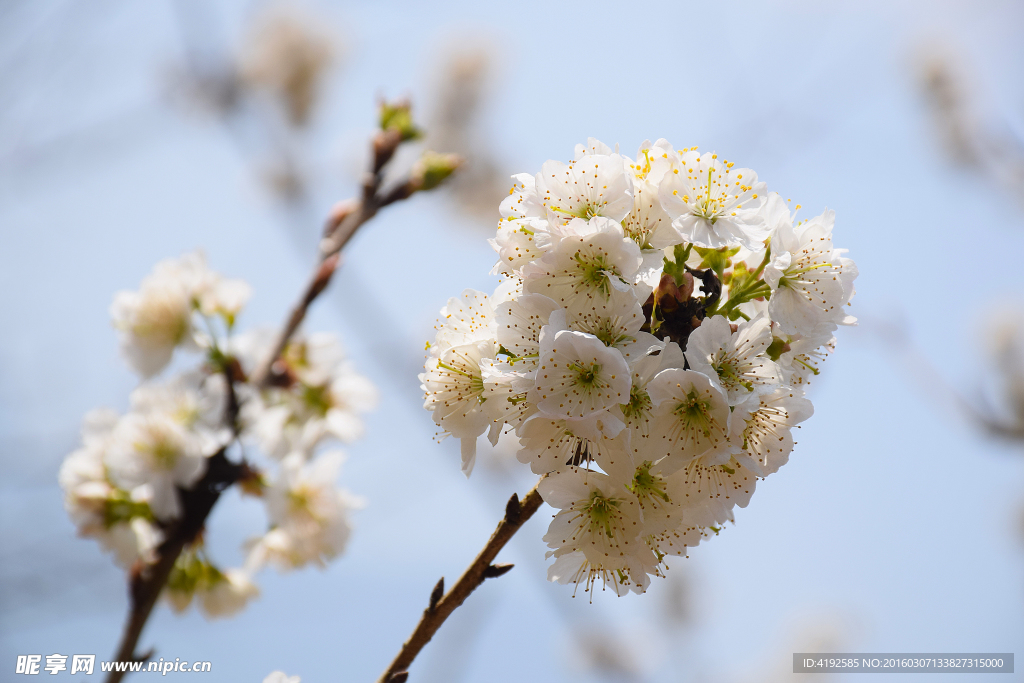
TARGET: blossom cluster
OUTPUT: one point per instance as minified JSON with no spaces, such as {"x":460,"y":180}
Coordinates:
{"x":130,"y":482}
{"x":649,"y":344}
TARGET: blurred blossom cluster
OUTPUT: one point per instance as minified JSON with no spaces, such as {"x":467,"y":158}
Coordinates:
{"x":266,"y":92}
{"x":138,"y":475}
{"x":456,"y":125}
{"x":973,"y":137}
{"x":283,"y":61}
{"x":288,"y":58}
{"x":1000,"y":409}
{"x":649,"y":343}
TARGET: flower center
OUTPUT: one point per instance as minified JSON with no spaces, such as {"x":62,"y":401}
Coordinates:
{"x":639,"y":403}
{"x":318,"y":399}
{"x":730,"y":374}
{"x":594,"y":272}
{"x":601,"y":513}
{"x":695,"y":412}
{"x":647,"y":486}
{"x":587,"y":377}
{"x":709,"y":208}
{"x":164,"y":452}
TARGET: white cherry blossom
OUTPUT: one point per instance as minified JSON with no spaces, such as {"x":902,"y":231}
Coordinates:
{"x":811,"y":282}
{"x":281,"y":677}
{"x":650,"y":417}
{"x":598,"y":519}
{"x":506,"y":388}
{"x":592,"y":185}
{"x":672,"y":521}
{"x":523,"y":217}
{"x":453,"y":387}
{"x":320,"y":396}
{"x":616,"y":321}
{"x":551,"y":444}
{"x":648,"y":224}
{"x":735,"y":360}
{"x":762,"y":428}
{"x":713,"y":204}
{"x":577,"y":375}
{"x":690,"y":417}
{"x":153,"y":322}
{"x":466,"y":319}
{"x":518,"y":325}
{"x":158,"y":451}
{"x":638,"y":411}
{"x":228,"y":595}
{"x":710,"y":488}
{"x":120,"y":520}
{"x":802,"y":355}
{"x":585,"y":267}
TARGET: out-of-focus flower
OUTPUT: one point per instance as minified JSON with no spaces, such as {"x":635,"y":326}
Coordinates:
{"x":319,"y":395}
{"x":308,"y":514}
{"x":281,"y":677}
{"x":156,"y":451}
{"x":137,"y":474}
{"x":218,"y":593}
{"x":121,"y":520}
{"x":227,"y":595}
{"x":288,"y":56}
{"x":159,"y":317}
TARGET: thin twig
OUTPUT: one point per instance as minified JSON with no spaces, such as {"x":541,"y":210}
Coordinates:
{"x":347,"y":218}
{"x":148,"y":580}
{"x":438,"y":610}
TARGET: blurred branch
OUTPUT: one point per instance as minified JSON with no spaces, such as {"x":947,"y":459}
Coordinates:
{"x":462,"y":90}
{"x":442,"y":604}
{"x":347,"y":218}
{"x":265,"y":93}
{"x":1004,"y":417}
{"x":985,"y":142}
{"x":1001,"y":416}
{"x":147,"y":582}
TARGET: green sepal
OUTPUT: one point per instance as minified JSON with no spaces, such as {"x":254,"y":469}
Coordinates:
{"x":676,"y":267}
{"x":776,"y":348}
{"x":716,"y":259}
{"x":399,"y":117}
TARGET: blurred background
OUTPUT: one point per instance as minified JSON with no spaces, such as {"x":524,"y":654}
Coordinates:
{"x":133,"y":132}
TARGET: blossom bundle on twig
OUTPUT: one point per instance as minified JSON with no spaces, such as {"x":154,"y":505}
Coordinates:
{"x":145,"y":483}
{"x":649,"y":343}
{"x":130,"y":480}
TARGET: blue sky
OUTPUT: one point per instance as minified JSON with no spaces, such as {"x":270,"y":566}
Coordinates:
{"x":894,"y":527}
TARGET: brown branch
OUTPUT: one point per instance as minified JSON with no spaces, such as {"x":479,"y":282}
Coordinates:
{"x":147,"y":581}
{"x":440,"y":608}
{"x":343,"y":223}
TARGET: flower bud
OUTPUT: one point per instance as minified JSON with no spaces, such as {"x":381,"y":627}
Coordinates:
{"x":398,"y":117}
{"x":432,"y":169}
